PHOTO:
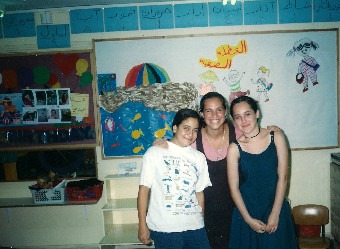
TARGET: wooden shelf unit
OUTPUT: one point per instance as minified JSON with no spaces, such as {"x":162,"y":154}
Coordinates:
{"x":120,"y":211}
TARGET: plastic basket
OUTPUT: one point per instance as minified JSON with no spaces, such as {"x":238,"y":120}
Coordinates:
{"x":85,"y":194}
{"x":50,"y":196}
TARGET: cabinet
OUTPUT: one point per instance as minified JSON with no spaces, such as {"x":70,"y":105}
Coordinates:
{"x":335,"y":195}
{"x":120,"y":217}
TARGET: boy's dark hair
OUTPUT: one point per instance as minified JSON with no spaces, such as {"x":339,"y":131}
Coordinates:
{"x":184,"y":114}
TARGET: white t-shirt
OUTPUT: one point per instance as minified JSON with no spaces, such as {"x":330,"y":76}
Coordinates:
{"x":174,"y":175}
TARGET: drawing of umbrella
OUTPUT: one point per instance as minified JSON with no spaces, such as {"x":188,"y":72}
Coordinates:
{"x":146,"y":74}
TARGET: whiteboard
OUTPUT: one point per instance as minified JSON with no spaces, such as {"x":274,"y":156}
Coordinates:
{"x":309,"y":119}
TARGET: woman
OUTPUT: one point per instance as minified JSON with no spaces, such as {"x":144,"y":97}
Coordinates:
{"x":261,"y":219}
{"x":176,"y":177}
{"x":213,"y":139}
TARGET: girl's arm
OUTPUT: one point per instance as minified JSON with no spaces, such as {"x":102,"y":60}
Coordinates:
{"x":200,"y":198}
{"x":142,"y":203}
{"x":233,"y":156}
{"x":282,"y":171}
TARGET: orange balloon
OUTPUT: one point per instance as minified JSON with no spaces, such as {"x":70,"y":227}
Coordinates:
{"x":9,"y":78}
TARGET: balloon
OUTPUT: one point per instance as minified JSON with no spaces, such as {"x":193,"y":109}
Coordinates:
{"x":53,"y":79}
{"x":57,"y":85}
{"x":65,"y":63}
{"x":25,"y":77}
{"x":9,"y":78}
{"x":86,"y":79}
{"x":41,"y":75}
{"x":81,"y":66}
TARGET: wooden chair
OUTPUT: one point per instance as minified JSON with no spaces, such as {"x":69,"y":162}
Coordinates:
{"x":311,"y":214}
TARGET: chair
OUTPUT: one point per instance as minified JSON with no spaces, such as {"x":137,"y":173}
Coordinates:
{"x":309,"y":215}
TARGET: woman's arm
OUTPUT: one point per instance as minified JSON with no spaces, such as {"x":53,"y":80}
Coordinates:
{"x":161,"y":143}
{"x":142,"y":203}
{"x":200,"y":198}
{"x":282,"y":171}
{"x":233,"y":156}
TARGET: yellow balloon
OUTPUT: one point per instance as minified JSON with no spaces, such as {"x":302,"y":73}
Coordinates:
{"x":81,"y":66}
{"x":56,"y":85}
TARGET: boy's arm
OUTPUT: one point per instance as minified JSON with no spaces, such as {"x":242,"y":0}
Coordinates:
{"x":200,"y":198}
{"x":142,"y":203}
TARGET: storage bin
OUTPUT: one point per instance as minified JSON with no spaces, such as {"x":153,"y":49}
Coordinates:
{"x":50,"y":196}
{"x":85,"y":194}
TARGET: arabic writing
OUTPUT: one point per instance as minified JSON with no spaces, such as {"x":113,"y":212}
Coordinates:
{"x":224,"y":54}
{"x":86,"y":21}
{"x":19,"y":25}
{"x":121,"y":19}
{"x":156,"y":17}
{"x":53,"y":36}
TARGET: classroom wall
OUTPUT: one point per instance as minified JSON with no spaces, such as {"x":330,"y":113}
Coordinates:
{"x":72,"y":225}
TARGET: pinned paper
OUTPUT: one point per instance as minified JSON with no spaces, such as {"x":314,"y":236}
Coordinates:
{"x":79,"y":104}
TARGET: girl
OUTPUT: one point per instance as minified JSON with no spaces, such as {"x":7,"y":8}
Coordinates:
{"x":261,"y":218}
{"x":176,"y":178}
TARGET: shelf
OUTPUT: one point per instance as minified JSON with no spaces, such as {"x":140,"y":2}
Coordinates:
{"x":121,"y":204}
{"x":28,"y":202}
{"x":121,"y":234}
{"x":117,"y":177}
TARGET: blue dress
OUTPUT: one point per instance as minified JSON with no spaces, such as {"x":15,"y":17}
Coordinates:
{"x":258,"y":186}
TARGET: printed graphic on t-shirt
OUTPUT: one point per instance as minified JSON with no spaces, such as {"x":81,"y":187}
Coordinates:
{"x":179,"y":182}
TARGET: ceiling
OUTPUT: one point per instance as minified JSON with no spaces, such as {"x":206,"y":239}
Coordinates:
{"x":24,"y":5}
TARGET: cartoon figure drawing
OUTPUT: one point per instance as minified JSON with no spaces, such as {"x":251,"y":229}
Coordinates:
{"x":233,"y":80}
{"x":308,"y":65}
{"x":208,"y":77}
{"x":263,"y":86}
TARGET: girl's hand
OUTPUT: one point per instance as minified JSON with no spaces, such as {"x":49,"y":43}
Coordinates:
{"x":257,"y":225}
{"x":160,"y":142}
{"x":273,"y":128}
{"x":144,"y":235}
{"x":273,"y":222}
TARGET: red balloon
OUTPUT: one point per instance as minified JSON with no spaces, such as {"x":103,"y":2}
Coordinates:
{"x":9,"y":78}
{"x":53,"y":79}
{"x":66,"y":63}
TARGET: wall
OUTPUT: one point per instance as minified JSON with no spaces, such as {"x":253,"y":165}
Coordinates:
{"x":69,"y":225}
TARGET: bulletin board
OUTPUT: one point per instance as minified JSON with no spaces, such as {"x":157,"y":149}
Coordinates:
{"x":47,"y":101}
{"x":295,"y":91}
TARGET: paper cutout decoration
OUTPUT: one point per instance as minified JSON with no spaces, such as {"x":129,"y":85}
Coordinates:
{"x":146,"y":74}
{"x":41,"y":75}
{"x":9,"y":78}
{"x":65,"y":63}
{"x":25,"y":77}
{"x":81,"y":66}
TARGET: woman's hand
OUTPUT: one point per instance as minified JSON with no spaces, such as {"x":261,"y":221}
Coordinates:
{"x":273,"y":222}
{"x":273,"y":128}
{"x":160,"y":142}
{"x":257,"y":225}
{"x":144,"y":235}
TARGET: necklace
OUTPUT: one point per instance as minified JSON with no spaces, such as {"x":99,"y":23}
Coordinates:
{"x":254,"y":135}
{"x":218,"y":150}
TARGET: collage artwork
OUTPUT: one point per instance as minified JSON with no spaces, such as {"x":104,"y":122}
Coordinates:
{"x":38,"y":99}
{"x":138,"y":97}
